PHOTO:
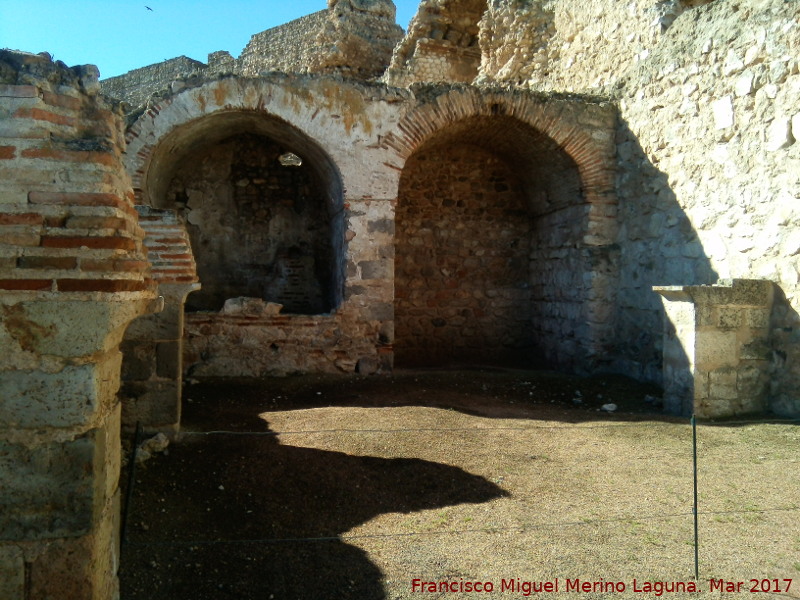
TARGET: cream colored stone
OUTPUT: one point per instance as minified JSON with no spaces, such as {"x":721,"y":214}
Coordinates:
{"x":779,"y":134}
{"x":722,"y":111}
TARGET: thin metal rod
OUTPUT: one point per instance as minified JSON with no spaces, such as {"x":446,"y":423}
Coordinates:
{"x":694,"y":508}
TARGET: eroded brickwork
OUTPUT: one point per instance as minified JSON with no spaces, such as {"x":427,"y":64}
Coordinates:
{"x":152,"y":366}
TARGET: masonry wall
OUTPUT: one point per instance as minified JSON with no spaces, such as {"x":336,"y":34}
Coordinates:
{"x":462,"y":276}
{"x":707,"y":149}
{"x":441,"y":44}
{"x":73,"y":275}
{"x":259,"y":228}
{"x":136,"y":86}
{"x":283,"y":48}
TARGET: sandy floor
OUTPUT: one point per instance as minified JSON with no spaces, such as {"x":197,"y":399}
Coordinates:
{"x":328,"y":487}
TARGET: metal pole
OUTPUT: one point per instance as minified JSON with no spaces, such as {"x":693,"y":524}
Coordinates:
{"x":694,"y":508}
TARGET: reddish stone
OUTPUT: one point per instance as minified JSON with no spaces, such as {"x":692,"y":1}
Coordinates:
{"x":61,"y":101}
{"x":97,"y":223}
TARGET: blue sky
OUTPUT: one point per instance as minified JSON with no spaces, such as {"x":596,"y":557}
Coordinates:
{"x":120,"y":35}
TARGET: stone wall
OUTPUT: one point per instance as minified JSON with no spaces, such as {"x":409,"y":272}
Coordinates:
{"x":572,"y":45}
{"x":152,"y":365}
{"x":356,"y":141}
{"x":354,"y":38}
{"x":462,"y":282}
{"x":73,"y":274}
{"x":441,"y":44}
{"x":313,"y":118}
{"x":259,"y":228}
{"x":136,"y":86}
{"x":286,"y":48}
{"x":707,"y":152}
{"x":715,"y":110}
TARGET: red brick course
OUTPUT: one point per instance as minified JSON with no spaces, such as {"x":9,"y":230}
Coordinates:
{"x":101,"y":285}
{"x":108,"y":243}
{"x":21,"y":219}
{"x":25,"y":284}
{"x":47,"y":262}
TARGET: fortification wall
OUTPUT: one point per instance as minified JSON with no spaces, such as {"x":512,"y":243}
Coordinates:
{"x":136,"y":86}
{"x":286,"y":48}
{"x":708,"y":171}
{"x":354,"y":38}
{"x":441,"y":44}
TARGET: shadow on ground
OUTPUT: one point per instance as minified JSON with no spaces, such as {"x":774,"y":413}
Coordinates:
{"x":223,"y":514}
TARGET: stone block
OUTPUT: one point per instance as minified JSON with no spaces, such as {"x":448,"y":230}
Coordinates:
{"x":752,"y":387}
{"x":12,"y":573}
{"x":715,"y":349}
{"x":722,"y":385}
{"x":139,"y":360}
{"x":52,"y":490}
{"x":730,"y":317}
{"x":68,"y":398}
{"x":68,"y":328}
{"x":722,"y":111}
{"x":80,"y":568}
{"x":756,"y":349}
{"x":779,"y":134}
{"x":752,"y":292}
{"x":757,"y":318}
{"x":367,"y":365}
{"x":381,"y":226}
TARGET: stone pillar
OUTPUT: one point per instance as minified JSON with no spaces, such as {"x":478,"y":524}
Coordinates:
{"x":716,"y":347}
{"x":152,"y":368}
{"x":73,"y":275}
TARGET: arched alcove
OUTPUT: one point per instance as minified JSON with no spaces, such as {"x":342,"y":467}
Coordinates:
{"x":263,"y":207}
{"x":491,"y":215}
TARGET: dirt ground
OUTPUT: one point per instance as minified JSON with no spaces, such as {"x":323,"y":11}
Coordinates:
{"x":325,"y":487}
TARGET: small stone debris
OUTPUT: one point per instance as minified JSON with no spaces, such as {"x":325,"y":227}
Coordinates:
{"x":154,"y":445}
{"x":610,"y":407}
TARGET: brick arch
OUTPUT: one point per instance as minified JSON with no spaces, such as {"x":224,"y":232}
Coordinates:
{"x":535,"y":136}
{"x":274,"y":108}
{"x":583,"y":129}
{"x":304,"y":120}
